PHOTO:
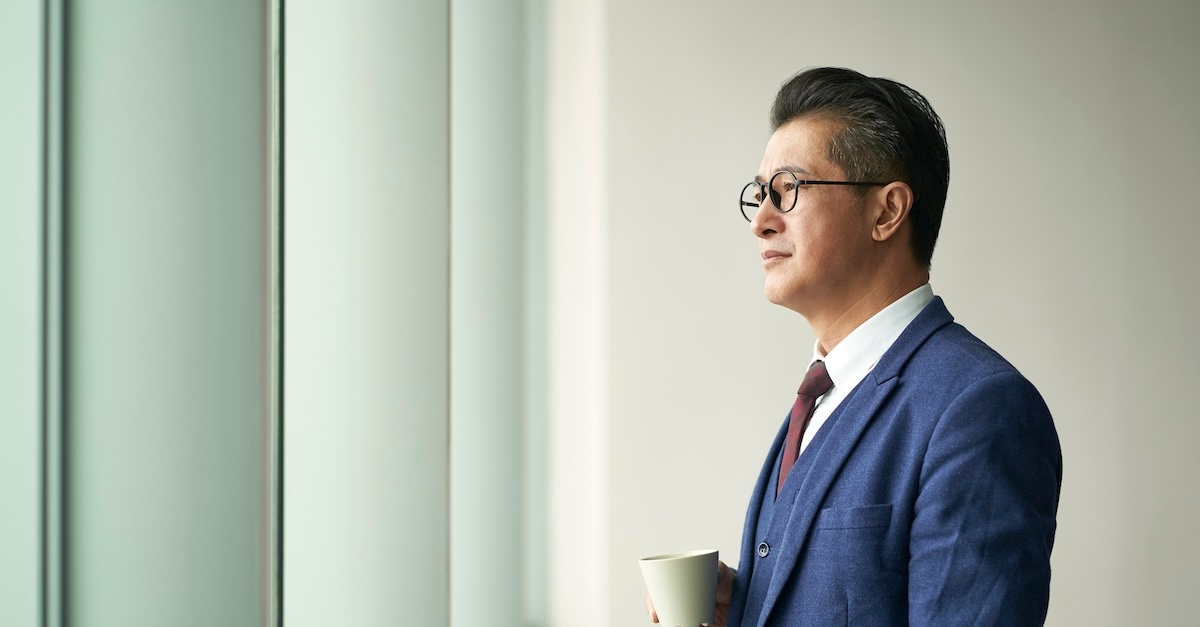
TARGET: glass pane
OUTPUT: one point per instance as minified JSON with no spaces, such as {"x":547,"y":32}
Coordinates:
{"x":20,"y":311}
{"x":167,"y":447}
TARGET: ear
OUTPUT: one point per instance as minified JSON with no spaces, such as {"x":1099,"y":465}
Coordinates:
{"x":895,"y":200}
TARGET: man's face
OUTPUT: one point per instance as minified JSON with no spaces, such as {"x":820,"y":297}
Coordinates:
{"x":814,"y":255}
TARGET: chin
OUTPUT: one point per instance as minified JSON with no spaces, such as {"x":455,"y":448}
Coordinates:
{"x":776,"y":294}
{"x":787,"y":295}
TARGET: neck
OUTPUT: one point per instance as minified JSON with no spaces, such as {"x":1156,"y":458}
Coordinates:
{"x":832,"y":325}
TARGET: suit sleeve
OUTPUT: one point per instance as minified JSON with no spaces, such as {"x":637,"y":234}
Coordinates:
{"x":984,"y":516}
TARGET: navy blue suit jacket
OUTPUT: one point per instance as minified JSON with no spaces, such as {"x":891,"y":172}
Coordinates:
{"x":929,"y":497}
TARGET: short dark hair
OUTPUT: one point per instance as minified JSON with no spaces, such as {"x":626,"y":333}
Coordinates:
{"x":889,"y":132}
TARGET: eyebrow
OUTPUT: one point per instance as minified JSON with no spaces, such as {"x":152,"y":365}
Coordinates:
{"x":794,"y":169}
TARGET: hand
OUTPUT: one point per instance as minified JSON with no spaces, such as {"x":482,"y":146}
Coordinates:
{"x":725,"y":577}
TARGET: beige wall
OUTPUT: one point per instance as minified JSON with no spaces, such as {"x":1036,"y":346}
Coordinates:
{"x":1065,"y":246}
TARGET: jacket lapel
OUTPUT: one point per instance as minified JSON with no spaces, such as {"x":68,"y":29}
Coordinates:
{"x":846,"y":427}
{"x":761,"y":489}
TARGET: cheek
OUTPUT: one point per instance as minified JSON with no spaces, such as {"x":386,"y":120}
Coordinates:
{"x":826,"y":245}
{"x":815,"y":246}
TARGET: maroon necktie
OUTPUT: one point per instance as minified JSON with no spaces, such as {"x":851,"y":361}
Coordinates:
{"x":816,"y":383}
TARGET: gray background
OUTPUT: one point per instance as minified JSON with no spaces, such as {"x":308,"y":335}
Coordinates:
{"x":1067,"y":245}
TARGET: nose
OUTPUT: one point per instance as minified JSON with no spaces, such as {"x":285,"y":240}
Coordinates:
{"x":767,"y":221}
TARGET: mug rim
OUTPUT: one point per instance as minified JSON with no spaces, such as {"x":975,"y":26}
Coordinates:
{"x":684,"y":554}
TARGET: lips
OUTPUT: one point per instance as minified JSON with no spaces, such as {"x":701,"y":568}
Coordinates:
{"x":769,"y":255}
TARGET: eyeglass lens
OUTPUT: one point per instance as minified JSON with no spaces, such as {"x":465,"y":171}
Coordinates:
{"x":751,"y":200}
{"x":782,"y":192}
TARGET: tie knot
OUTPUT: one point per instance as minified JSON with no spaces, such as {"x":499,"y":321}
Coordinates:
{"x":817,"y":381}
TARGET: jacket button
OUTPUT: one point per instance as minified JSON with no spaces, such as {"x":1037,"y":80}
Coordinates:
{"x":763,"y":549}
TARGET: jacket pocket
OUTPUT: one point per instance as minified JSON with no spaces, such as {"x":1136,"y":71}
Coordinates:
{"x":855,"y":517}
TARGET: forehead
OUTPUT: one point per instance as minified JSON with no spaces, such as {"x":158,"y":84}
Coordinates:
{"x":800,"y":146}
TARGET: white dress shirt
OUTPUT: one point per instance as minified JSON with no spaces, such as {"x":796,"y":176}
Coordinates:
{"x":850,"y":361}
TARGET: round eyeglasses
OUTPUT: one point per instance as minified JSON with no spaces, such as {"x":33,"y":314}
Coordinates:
{"x":782,"y":189}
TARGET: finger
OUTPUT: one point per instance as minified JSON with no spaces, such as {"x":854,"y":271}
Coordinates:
{"x":650,"y":610}
{"x":725,"y":577}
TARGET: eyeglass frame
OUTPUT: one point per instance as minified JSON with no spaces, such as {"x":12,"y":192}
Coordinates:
{"x":763,"y":193}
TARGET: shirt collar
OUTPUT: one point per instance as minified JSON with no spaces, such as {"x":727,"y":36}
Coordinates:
{"x":858,"y":353}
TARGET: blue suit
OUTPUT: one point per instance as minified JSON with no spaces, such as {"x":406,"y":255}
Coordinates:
{"x":927,"y":498}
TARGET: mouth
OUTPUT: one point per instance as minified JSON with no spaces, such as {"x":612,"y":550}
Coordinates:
{"x":771,"y":257}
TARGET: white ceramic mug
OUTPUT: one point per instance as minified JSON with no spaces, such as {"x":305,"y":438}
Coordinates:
{"x":682,"y":586}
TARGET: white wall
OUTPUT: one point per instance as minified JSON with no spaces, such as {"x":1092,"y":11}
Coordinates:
{"x":1065,"y":245}
{"x":579,"y":519}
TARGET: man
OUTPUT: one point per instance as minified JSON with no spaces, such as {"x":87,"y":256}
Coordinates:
{"x":916,"y":479}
